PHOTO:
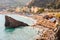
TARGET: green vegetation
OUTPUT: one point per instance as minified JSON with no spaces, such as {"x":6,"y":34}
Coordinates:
{"x":57,"y":15}
{"x":41,"y":10}
{"x":54,"y":6}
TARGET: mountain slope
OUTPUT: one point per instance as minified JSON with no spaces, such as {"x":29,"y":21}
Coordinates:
{"x":45,"y":3}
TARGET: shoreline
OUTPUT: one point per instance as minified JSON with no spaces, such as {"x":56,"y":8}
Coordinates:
{"x":39,"y":27}
{"x":21,"y":14}
{"x":24,"y":16}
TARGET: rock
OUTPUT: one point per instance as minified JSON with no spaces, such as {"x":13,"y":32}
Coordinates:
{"x":12,"y":23}
{"x":58,"y":35}
{"x":48,"y":34}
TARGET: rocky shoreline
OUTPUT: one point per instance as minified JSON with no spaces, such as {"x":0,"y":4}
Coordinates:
{"x":46,"y":32}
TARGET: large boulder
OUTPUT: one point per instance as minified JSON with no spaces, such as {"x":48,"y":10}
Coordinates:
{"x":12,"y":23}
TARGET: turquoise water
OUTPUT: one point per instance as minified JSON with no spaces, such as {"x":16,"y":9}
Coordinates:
{"x":21,"y":33}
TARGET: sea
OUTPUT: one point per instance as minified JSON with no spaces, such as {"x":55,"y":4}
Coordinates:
{"x":20,"y":33}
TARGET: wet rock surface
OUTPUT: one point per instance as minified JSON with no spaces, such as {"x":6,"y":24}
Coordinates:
{"x":12,"y":23}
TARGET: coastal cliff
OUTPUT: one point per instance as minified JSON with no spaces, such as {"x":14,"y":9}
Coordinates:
{"x":12,"y":23}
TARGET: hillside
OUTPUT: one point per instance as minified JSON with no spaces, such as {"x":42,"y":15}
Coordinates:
{"x":45,"y":3}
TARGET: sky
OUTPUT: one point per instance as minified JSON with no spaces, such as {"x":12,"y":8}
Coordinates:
{"x":13,"y":2}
